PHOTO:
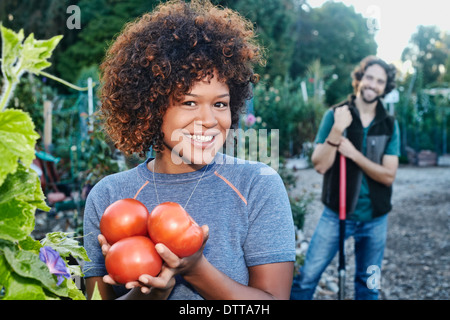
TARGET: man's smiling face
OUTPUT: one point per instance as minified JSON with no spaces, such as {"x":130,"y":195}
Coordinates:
{"x":373,"y":83}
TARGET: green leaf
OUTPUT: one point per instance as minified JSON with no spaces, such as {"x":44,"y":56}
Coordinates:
{"x":36,"y":52}
{"x":74,"y":292}
{"x":96,"y":293}
{"x":28,"y":265}
{"x":25,"y":276}
{"x":18,"y":58}
{"x":16,"y":286}
{"x":30,"y":244}
{"x":31,"y":55}
{"x":11,"y":49}
{"x":75,"y":270}
{"x":65,"y":246}
{"x":20,"y":195}
{"x":17,"y":141}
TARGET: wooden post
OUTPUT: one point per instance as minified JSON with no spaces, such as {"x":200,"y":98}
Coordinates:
{"x":48,"y":107}
{"x":90,"y":105}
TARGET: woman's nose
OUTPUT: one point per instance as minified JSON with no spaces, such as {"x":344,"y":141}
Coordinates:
{"x":206,"y":117}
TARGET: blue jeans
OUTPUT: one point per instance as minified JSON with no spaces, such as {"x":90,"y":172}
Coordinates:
{"x":370,"y":241}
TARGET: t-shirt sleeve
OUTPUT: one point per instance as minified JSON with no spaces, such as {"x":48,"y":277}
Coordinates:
{"x":91,"y":227}
{"x":325,"y":126}
{"x":393,"y":147}
{"x":271,"y":234}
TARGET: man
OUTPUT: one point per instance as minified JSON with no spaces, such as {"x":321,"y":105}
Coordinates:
{"x":362,"y":131}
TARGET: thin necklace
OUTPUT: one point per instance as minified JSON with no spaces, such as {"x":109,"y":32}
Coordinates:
{"x":156,"y":191}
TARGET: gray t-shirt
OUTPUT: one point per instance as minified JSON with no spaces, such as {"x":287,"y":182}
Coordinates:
{"x":245,"y":206}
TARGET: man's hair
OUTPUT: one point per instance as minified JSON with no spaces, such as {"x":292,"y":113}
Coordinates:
{"x":160,"y":56}
{"x":359,"y":71}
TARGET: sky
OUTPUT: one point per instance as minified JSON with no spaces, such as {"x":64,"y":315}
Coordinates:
{"x":397,"y":20}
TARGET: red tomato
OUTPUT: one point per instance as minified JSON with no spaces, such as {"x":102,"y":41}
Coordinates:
{"x":171,"y":225}
{"x":124,"y":218}
{"x":132,"y":257}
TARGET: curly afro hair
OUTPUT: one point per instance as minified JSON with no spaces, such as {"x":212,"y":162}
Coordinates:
{"x":358,"y":73}
{"x":161,"y":55}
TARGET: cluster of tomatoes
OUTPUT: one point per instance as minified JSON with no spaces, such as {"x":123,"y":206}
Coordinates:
{"x":133,"y":233}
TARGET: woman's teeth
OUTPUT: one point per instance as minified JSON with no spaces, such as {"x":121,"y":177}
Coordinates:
{"x":200,"y":138}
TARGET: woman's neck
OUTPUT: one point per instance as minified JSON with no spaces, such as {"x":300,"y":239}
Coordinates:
{"x":172,"y":164}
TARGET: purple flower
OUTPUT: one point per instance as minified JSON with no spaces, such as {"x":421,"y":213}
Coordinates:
{"x":55,"y":263}
{"x":250,"y":120}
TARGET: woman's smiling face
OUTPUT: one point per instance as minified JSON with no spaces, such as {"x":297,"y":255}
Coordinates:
{"x":195,"y":127}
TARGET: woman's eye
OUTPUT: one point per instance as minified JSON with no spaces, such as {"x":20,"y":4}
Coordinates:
{"x":221,"y":105}
{"x":189,"y":103}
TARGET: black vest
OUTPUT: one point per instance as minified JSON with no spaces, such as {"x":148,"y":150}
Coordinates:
{"x":378,"y":138}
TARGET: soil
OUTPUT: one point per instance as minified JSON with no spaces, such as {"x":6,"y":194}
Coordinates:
{"x":416,"y":263}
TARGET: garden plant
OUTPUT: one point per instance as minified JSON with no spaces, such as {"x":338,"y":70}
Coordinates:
{"x":29,"y":269}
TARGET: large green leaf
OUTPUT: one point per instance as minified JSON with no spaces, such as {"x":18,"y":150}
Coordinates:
{"x":17,"y":141}
{"x":17,"y":287}
{"x":20,"y":195}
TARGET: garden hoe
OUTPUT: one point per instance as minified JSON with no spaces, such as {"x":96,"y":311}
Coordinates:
{"x":342,"y":217}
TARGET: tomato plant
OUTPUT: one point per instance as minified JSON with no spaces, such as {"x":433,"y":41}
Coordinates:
{"x":131,"y":257}
{"x":171,"y":225}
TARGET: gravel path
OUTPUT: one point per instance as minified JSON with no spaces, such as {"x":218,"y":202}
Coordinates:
{"x":416,"y":263}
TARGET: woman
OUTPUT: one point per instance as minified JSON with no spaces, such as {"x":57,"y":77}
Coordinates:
{"x":177,"y":80}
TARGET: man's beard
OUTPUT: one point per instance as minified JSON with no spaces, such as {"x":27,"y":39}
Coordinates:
{"x":367,"y":100}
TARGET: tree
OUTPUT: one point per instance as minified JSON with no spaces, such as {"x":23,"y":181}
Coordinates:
{"x":273,"y":21}
{"x":337,"y":36}
{"x":423,"y":106}
{"x":445,"y":42}
{"x":428,"y":51}
{"x":102,"y":21}
{"x":446,"y":75}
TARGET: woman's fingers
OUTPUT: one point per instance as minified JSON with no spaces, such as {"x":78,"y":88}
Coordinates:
{"x":103,"y":244}
{"x":109,"y":280}
{"x":205,"y":229}
{"x":164,"y":280}
{"x":170,"y":258}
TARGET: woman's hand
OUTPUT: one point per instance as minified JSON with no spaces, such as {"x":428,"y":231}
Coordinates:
{"x":160,"y":286}
{"x":174,"y":265}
